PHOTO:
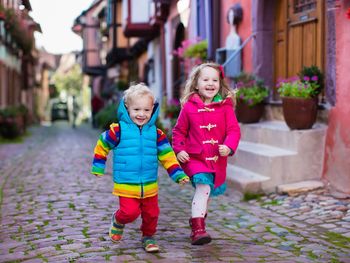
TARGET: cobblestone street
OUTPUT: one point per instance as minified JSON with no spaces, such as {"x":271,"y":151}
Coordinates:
{"x":54,"y":210}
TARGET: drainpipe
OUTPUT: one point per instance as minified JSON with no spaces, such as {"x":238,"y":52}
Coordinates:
{"x":114,"y":24}
{"x":212,"y":13}
{"x":208,"y":26}
{"x":163,"y":58}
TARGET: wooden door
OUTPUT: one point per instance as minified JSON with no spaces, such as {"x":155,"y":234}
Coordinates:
{"x":299,"y":36}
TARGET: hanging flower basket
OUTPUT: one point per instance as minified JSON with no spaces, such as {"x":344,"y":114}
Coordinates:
{"x":192,"y":53}
{"x":2,"y":13}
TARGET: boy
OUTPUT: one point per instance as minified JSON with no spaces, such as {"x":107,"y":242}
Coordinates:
{"x":137,"y":146}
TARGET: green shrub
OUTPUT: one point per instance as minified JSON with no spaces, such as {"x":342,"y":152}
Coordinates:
{"x":9,"y":130}
{"x":23,"y":109}
{"x":11,"y":111}
{"x":9,"y":126}
{"x":106,"y":116}
{"x":121,"y":85}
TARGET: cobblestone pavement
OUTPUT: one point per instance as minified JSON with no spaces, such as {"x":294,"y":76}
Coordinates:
{"x":54,"y":210}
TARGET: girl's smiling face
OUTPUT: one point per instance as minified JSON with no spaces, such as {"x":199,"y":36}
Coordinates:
{"x":208,"y":84}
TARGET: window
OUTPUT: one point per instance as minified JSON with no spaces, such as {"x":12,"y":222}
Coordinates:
{"x":304,"y":5}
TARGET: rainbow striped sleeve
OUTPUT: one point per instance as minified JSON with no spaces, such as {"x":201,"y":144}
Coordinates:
{"x":167,"y":157}
{"x":106,"y":142}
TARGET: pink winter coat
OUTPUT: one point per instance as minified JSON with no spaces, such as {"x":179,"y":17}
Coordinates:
{"x":199,"y":131}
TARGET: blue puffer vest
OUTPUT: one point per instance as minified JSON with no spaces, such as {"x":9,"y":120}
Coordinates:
{"x":135,"y":159}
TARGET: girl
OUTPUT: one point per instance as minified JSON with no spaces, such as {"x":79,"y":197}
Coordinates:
{"x":206,"y":133}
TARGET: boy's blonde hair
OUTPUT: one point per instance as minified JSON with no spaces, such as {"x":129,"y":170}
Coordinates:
{"x":192,"y":81}
{"x":135,"y":90}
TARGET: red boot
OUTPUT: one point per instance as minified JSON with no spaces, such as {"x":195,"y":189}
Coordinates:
{"x":198,"y":235}
{"x":205,"y":217}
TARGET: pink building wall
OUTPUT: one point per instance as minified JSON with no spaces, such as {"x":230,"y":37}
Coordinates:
{"x":244,"y":30}
{"x":337,"y":161}
{"x":93,"y":58}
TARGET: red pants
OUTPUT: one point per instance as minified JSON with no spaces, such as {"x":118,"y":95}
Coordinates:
{"x":130,"y":209}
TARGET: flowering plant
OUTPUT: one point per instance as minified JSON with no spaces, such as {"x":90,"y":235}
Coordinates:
{"x":2,"y":12}
{"x":16,"y":28}
{"x":173,"y":109}
{"x":250,"y":89}
{"x":299,"y":88}
{"x":348,"y":13}
{"x":313,"y":74}
{"x":192,"y":52}
{"x":308,"y":83}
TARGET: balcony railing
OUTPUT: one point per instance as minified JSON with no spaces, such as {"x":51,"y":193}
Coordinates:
{"x":230,"y":60}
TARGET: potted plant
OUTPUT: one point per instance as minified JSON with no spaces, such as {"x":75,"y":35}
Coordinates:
{"x":299,"y":100}
{"x":106,"y":116}
{"x":250,"y":94}
{"x":11,"y":122}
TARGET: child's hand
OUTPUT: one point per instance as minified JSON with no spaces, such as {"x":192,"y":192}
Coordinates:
{"x":183,"y":157}
{"x":224,"y":150}
{"x":184,"y":180}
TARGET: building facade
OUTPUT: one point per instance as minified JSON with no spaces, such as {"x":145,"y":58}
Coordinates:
{"x":278,"y":38}
{"x":17,"y":54}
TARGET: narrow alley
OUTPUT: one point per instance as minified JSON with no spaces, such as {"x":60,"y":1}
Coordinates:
{"x":54,"y":210}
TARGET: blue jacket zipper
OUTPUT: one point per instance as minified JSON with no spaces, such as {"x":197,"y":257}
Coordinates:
{"x":141,"y":150}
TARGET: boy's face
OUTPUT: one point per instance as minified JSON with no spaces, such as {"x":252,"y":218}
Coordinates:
{"x":140,"y":110}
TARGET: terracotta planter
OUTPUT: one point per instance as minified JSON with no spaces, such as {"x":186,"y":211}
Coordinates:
{"x":299,"y":113}
{"x":249,"y":114}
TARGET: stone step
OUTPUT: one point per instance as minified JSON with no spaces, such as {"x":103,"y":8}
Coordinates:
{"x":277,"y":133}
{"x":272,"y":150}
{"x":299,"y":187}
{"x":279,"y":165}
{"x":261,"y":158}
{"x":244,"y":180}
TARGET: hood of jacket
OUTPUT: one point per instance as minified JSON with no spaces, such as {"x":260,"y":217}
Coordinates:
{"x":123,"y":115}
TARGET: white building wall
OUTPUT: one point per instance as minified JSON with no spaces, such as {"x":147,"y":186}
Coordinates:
{"x":192,"y":23}
{"x":154,"y":52}
{"x":140,"y":11}
{"x":168,"y":59}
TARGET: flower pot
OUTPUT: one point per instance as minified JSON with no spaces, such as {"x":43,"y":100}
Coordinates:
{"x":2,"y":16}
{"x":299,"y":113}
{"x":249,"y":114}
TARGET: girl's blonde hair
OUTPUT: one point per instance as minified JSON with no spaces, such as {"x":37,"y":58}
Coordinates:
{"x":137,"y":90}
{"x":191,"y":83}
